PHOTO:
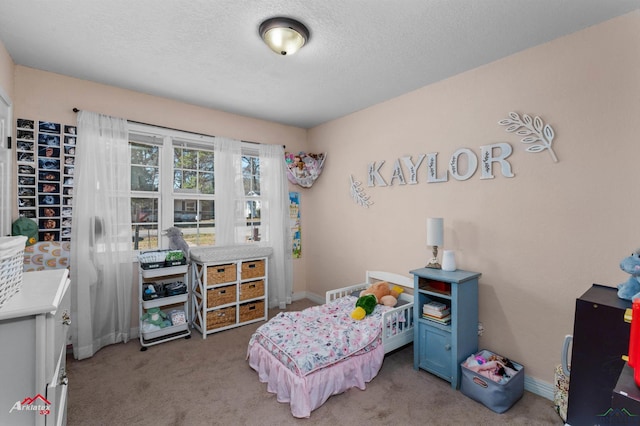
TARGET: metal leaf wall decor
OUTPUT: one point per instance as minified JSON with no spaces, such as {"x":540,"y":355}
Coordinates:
{"x":358,"y":194}
{"x":534,"y":131}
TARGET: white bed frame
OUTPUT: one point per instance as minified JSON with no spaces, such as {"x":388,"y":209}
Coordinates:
{"x":403,"y":333}
{"x":306,"y":393}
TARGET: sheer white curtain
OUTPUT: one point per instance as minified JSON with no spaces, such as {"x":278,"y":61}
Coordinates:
{"x":229,"y":190}
{"x":274,"y":218}
{"x":274,"y":210}
{"x":101,"y":257}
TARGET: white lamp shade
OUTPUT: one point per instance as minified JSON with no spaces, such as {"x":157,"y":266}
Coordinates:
{"x":435,"y":231}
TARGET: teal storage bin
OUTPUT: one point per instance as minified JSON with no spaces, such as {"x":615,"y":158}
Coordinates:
{"x":497,"y":396}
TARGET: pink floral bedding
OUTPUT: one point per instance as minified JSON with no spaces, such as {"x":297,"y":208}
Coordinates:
{"x":320,"y":336}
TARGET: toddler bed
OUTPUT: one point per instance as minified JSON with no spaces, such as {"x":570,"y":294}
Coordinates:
{"x":305,"y":357}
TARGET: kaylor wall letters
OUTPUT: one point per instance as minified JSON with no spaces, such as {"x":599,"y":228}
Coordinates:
{"x":489,"y":155}
{"x":463,"y":163}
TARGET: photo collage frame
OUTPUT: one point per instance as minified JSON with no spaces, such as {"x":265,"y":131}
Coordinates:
{"x":46,"y":159}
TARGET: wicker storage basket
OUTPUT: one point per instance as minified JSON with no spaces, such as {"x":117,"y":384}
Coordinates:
{"x":11,"y":265}
{"x":252,"y":310}
{"x":221,"y":295}
{"x":252,"y":269}
{"x":221,"y":317}
{"x":251,"y":289}
{"x":218,"y":274}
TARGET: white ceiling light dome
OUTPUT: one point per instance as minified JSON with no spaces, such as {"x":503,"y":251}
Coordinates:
{"x":284,"y":36}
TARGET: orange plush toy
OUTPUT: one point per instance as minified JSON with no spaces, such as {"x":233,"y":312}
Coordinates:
{"x":384,"y":295}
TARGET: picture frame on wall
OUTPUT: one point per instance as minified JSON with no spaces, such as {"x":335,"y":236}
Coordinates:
{"x":48,"y":151}
{"x":25,"y":134}
{"x":24,"y":124}
{"x":45,"y":154}
{"x":49,"y":140}
{"x":48,"y":127}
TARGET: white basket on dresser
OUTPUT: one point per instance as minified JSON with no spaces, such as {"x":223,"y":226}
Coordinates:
{"x":11,"y":265}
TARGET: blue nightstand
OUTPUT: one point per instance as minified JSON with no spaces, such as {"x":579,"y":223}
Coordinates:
{"x":441,"y":345}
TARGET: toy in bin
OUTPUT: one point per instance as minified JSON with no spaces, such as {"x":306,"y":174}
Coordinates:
{"x":156,"y":317}
{"x":175,"y":288}
{"x":174,"y":258}
{"x":634,"y":341}
{"x":153,"y":291}
{"x":492,"y":380}
{"x":177,"y":317}
{"x":161,"y":258}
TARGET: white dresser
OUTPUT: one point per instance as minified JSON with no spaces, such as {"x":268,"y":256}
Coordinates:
{"x":34,"y":325}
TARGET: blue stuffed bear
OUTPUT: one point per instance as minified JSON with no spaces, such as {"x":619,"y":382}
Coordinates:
{"x":631,"y":288}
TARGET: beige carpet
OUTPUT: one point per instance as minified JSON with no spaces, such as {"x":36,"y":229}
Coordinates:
{"x":209,"y":382}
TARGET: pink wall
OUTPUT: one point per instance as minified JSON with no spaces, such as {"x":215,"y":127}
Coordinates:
{"x":541,"y":238}
{"x":43,"y":95}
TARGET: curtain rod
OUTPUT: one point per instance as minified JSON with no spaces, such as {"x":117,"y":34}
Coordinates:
{"x":76,"y":110}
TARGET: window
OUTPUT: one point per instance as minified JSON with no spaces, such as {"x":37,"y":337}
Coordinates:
{"x":251,"y":184}
{"x":173,"y":184}
{"x":145,"y":195}
{"x":193,"y":192}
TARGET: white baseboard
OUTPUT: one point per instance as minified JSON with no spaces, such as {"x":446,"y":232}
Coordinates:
{"x":307,"y":295}
{"x":539,"y":387}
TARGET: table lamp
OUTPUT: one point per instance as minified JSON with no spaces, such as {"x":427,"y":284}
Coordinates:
{"x":435,"y":237}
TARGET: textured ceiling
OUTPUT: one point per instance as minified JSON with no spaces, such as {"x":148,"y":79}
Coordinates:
{"x":209,"y":53}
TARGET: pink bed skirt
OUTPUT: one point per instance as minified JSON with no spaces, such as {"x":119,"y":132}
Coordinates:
{"x":306,"y":393}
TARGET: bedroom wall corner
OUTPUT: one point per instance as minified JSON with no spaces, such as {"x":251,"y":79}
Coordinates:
{"x":541,"y":238}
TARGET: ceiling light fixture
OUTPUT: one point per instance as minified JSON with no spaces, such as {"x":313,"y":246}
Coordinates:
{"x":283,"y":35}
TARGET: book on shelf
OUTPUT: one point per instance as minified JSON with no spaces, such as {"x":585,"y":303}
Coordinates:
{"x":437,"y":314}
{"x":436,"y":306}
{"x":445,"y":320}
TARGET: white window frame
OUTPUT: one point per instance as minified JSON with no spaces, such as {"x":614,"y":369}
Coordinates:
{"x":166,"y":140}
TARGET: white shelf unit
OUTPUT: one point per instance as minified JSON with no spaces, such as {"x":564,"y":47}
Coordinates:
{"x":180,"y":301}
{"x":229,"y":293}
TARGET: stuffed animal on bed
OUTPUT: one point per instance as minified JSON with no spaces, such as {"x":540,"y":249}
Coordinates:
{"x":384,"y":295}
{"x":630,"y":289}
{"x":176,"y":241}
{"x":364,"y":306}
{"x":381,"y":295}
